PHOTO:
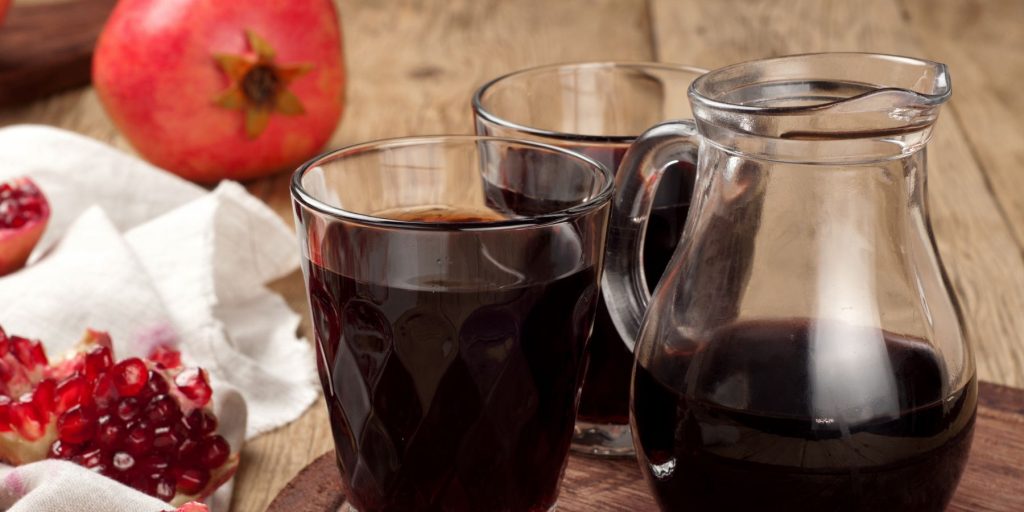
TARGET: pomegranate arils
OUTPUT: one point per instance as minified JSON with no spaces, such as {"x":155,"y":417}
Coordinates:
{"x":71,"y":391}
{"x":166,"y":357}
{"x":194,"y":384}
{"x":201,"y":422}
{"x":77,"y":425}
{"x":130,"y":376}
{"x":128,"y":409}
{"x":214,"y":452}
{"x":142,"y":422}
{"x":139,"y":440}
{"x":97,"y":361}
{"x":193,"y":480}
{"x":109,"y":435}
{"x":163,"y":410}
{"x":25,"y":419}
{"x":42,"y":398}
{"x":90,"y":459}
{"x":62,"y":450}
{"x":157,"y":385}
{"x":165,"y":489}
{"x":104,"y":394}
{"x":123,"y":461}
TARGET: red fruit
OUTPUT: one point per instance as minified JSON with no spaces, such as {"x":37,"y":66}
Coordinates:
{"x":193,"y":507}
{"x":130,"y":376}
{"x":144,"y":423}
{"x":77,"y":425}
{"x":4,"y":4}
{"x":222,"y":89}
{"x":166,"y":356}
{"x":193,"y":383}
{"x":24,"y":213}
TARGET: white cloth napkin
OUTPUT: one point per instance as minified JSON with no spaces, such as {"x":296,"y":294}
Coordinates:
{"x":151,"y":258}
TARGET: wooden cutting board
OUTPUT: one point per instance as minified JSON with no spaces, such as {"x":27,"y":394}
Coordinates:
{"x":994,"y":480}
{"x":47,"y":48}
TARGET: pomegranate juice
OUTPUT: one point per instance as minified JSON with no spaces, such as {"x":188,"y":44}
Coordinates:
{"x":745,"y":435}
{"x":449,"y":396}
{"x":605,"y":397}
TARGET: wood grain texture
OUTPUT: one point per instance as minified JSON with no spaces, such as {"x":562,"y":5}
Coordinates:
{"x":413,"y":64}
{"x":47,"y":48}
{"x":975,"y":238}
{"x":994,"y":471}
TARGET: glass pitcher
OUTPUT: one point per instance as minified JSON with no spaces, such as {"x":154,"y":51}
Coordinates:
{"x":802,"y":351}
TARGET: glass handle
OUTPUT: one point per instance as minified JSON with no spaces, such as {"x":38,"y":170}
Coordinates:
{"x":624,"y":284}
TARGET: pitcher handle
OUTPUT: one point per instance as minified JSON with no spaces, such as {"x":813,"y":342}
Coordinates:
{"x":625,"y":289}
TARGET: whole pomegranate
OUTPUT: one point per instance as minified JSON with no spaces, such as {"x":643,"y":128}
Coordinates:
{"x":213,"y":89}
{"x":146,"y":423}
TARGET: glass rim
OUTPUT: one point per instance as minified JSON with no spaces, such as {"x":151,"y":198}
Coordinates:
{"x":699,"y":95}
{"x":299,"y":194}
{"x":482,"y":112}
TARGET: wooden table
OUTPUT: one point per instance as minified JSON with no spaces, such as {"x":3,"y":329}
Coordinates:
{"x":413,"y":65}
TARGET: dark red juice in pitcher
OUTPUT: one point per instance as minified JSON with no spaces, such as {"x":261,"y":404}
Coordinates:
{"x":605,"y":397}
{"x":446,"y":395}
{"x":731,"y":425}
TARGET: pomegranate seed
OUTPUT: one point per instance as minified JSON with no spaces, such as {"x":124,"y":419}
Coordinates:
{"x":163,"y":410}
{"x":5,"y":412}
{"x":109,"y":435}
{"x":188,"y":451}
{"x":123,"y":461}
{"x":128,"y":409}
{"x":155,"y":465}
{"x":61,"y":450}
{"x":104,"y":393}
{"x":164,"y":489}
{"x":157,"y":385}
{"x":201,"y":422}
{"x":194,"y":384}
{"x":165,"y":356}
{"x":130,"y":376}
{"x":139,"y":440}
{"x":42,"y":398}
{"x":77,"y":425}
{"x":165,"y":440}
{"x":90,"y":459}
{"x":214,"y":452}
{"x":97,"y":361}
{"x":25,"y":419}
{"x":192,"y":481}
{"x":28,"y":352}
{"x":71,"y":391}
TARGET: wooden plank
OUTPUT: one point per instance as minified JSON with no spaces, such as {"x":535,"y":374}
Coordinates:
{"x":47,"y":48}
{"x":990,"y":481}
{"x":978,"y":247}
{"x":985,"y":49}
{"x":413,"y":67}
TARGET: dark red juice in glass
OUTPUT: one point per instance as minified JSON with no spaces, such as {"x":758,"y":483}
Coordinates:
{"x":451,"y":396}
{"x":605,"y":397}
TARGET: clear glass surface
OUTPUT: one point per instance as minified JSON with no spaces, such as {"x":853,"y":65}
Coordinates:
{"x":803,"y":351}
{"x":452,"y":283}
{"x":598,"y":109}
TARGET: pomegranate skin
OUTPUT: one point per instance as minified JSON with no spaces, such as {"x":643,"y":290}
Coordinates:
{"x":4,"y":4}
{"x":156,"y":74}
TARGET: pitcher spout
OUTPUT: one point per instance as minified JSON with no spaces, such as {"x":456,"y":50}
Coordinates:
{"x":887,"y":103}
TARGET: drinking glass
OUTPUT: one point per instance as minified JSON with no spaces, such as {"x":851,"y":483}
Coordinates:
{"x":453,"y":282}
{"x":598,"y":109}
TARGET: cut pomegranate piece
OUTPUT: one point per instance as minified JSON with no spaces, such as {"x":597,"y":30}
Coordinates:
{"x":24,"y":213}
{"x":142,"y":422}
